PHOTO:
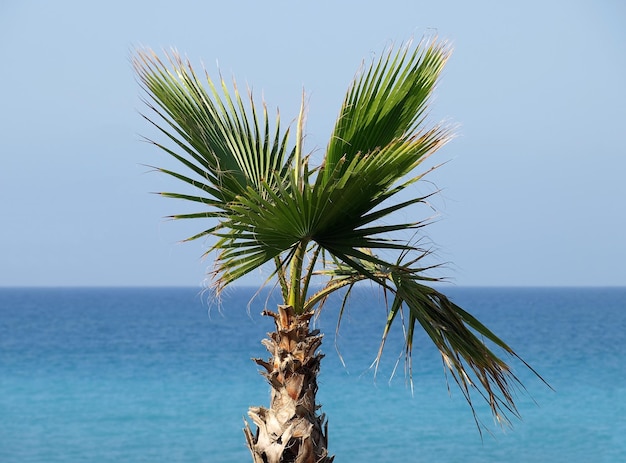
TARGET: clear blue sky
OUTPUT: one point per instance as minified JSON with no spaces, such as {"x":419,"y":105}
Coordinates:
{"x":533,"y":194}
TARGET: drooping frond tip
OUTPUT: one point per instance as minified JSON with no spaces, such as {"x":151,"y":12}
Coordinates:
{"x":462,"y":341}
{"x":470,"y":352}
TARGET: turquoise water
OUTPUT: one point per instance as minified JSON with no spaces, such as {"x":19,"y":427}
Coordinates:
{"x":157,"y":375}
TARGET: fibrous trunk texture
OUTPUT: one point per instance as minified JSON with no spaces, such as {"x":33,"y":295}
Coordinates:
{"x":290,"y":431}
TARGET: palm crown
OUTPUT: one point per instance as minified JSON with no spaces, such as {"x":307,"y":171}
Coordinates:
{"x":335,"y":220}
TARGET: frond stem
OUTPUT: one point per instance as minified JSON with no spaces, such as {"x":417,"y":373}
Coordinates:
{"x":295,"y":273}
{"x":310,"y":271}
{"x":282,"y":279}
{"x":330,"y":288}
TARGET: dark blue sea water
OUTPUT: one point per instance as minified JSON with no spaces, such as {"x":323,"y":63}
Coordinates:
{"x":158,"y":375}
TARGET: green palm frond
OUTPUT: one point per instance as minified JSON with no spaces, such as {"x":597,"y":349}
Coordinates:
{"x":228,"y":151}
{"x":387,"y":102}
{"x":225,"y":145}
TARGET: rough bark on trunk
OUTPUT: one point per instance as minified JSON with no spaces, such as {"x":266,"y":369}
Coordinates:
{"x":290,"y":431}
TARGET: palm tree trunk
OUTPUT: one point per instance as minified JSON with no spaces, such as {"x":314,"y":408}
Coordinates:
{"x":290,"y":431}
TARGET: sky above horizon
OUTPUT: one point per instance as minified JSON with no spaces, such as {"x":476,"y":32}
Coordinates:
{"x":532,"y":193}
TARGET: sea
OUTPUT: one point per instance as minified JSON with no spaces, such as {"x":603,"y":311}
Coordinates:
{"x":109,"y":375}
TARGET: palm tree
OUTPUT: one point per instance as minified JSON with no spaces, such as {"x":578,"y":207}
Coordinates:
{"x":337,"y":221}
